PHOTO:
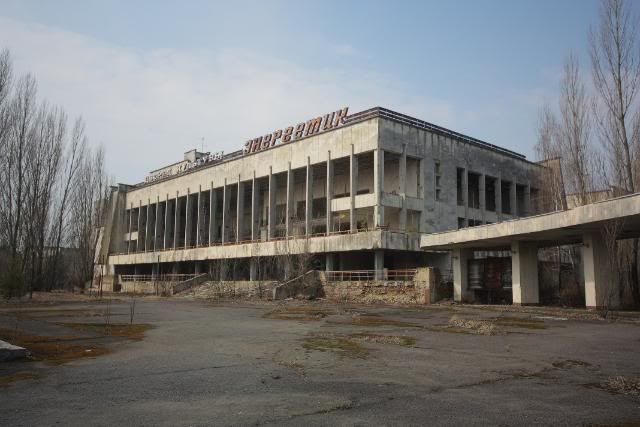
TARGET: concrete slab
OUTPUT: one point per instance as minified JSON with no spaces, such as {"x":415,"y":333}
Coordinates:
{"x":11,"y":352}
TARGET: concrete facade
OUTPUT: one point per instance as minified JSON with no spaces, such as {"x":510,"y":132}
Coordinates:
{"x":367,"y":188}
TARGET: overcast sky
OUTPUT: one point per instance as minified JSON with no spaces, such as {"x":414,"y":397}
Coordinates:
{"x":153,"y":78}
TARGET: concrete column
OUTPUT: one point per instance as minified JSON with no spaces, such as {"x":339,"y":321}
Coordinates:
{"x":465,"y":194}
{"x":271,"y":207}
{"x":240,"y":211}
{"x":600,"y":284}
{"x":255,"y":197}
{"x":225,"y":213}
{"x":483,"y":200}
{"x":147,"y":226}
{"x":176,"y":214}
{"x":498,"y":184}
{"x":213,"y":207}
{"x":130,"y":223}
{"x":378,"y":261}
{"x":353,"y":189}
{"x":460,"y":260}
{"x":378,"y":186}
{"x":308,"y":206}
{"x":329,"y":191}
{"x":524,"y":273}
{"x":187,"y":219}
{"x":290,"y":202}
{"x":253,"y":269}
{"x":422,"y":194}
{"x":527,"y":200}
{"x":138,"y":244}
{"x":199,"y":218}
{"x":165,"y":237}
{"x":155,"y":229}
{"x":402,"y":181}
{"x":329,"y":262}
{"x":513,"y":199}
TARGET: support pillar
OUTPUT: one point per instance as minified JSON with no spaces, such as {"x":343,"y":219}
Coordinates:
{"x":240,"y":211}
{"x":513,"y":199}
{"x":271,"y":207}
{"x":378,"y":262}
{"x":213,"y":207}
{"x":465,"y":195}
{"x":308,"y":215}
{"x":255,"y":230}
{"x":138,"y":244}
{"x":176,"y":214}
{"x":600,"y":284}
{"x":289,"y":202}
{"x":483,"y":199}
{"x":527,"y":200}
{"x":498,"y":193}
{"x":147,"y":226}
{"x":225,"y":213}
{"x":378,"y":186}
{"x":165,"y":237}
{"x":253,"y":269}
{"x":130,"y":223}
{"x":402,"y":182}
{"x":329,"y":191}
{"x":353,"y":189}
{"x":329,"y":263}
{"x":155,"y":225}
{"x":460,"y":260}
{"x":199,"y":218}
{"x":524,"y":273}
{"x":187,"y":220}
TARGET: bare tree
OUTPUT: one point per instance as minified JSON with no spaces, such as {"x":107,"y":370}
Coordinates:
{"x":615,"y":61}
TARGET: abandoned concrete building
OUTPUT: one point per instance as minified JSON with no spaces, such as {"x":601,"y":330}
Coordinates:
{"x":351,"y":192}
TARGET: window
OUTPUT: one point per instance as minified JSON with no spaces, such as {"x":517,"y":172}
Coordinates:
{"x":437,"y":194}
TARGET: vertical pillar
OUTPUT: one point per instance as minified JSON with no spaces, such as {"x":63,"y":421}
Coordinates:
{"x":378,"y":186}
{"x":271,"y":207}
{"x":225,"y":213}
{"x":513,"y":199}
{"x":240,"y":211}
{"x":155,"y":230}
{"x":254,"y":208}
{"x":147,"y":226}
{"x":253,"y":268}
{"x":199,"y":218}
{"x":213,"y":207}
{"x":138,"y":244}
{"x":329,"y":262}
{"x":422,"y":194}
{"x":600,"y":284}
{"x":309,"y":199}
{"x":524,"y":273}
{"x":460,"y":260}
{"x":176,"y":215}
{"x":378,"y":262}
{"x":465,"y":194}
{"x":483,"y":200}
{"x":165,"y":237}
{"x":130,"y":222}
{"x":498,"y":192}
{"x":402,"y":182}
{"x":329,"y":191}
{"x":187,"y":219}
{"x":527,"y":200}
{"x":290,"y":202}
{"x":353,"y":189}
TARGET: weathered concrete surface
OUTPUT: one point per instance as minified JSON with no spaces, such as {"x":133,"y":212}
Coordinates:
{"x":11,"y":352}
{"x":225,"y":364}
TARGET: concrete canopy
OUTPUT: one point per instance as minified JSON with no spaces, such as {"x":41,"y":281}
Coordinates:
{"x":565,"y":227}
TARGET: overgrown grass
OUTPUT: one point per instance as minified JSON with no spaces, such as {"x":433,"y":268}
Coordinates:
{"x":124,"y":330}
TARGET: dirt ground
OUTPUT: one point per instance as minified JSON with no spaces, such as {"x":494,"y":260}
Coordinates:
{"x":186,"y":362}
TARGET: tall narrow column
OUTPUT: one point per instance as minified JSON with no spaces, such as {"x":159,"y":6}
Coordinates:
{"x":130,"y":223}
{"x":139,"y":246}
{"x":165,"y":237}
{"x":308,"y":215}
{"x":147,"y":226}
{"x":213,"y":207}
{"x":353,"y":190}
{"x":481,"y":185}
{"x":199,"y":218}
{"x":378,"y":186}
{"x":188,"y":223}
{"x":176,"y":227}
{"x":465,"y":194}
{"x":378,"y":262}
{"x":402,"y":180}
{"x":329,"y":191}
{"x":498,"y":194}
{"x":422,"y":194}
{"x":290,"y":202}
{"x":600,"y":286}
{"x":225,"y":212}
{"x":155,"y":224}
{"x":255,"y":230}
{"x":527,"y":200}
{"x":240,"y":211}
{"x":253,"y":268}
{"x":460,"y":260}
{"x":271,"y":207}
{"x":524,"y":273}
{"x":513,"y":198}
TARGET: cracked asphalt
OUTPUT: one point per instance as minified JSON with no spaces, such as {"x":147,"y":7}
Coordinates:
{"x":226,"y":363}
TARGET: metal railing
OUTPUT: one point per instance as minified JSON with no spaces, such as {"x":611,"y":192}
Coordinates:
{"x":367,"y":275}
{"x":156,"y":277}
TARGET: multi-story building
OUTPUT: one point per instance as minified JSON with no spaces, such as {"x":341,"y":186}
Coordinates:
{"x":353,"y":192}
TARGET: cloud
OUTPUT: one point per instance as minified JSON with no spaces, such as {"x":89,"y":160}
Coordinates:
{"x":147,"y":107}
